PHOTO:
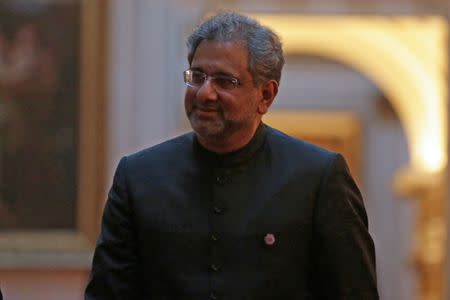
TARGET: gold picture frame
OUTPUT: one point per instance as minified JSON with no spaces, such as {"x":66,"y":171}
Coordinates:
{"x":72,"y":248}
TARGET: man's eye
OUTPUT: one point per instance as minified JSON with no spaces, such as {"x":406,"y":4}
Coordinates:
{"x":226,"y":82}
{"x":197,"y":77}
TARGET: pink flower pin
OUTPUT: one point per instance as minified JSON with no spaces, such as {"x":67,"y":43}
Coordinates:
{"x":269,"y":239}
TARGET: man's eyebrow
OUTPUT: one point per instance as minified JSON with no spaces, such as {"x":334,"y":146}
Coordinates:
{"x":225,"y":74}
{"x":196,"y":69}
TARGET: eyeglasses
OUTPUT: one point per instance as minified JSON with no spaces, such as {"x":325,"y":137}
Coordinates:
{"x":195,"y":79}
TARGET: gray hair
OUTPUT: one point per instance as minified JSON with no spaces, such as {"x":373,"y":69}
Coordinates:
{"x":265,"y":53}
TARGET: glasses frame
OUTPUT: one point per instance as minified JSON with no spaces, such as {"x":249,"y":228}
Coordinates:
{"x":236,"y":82}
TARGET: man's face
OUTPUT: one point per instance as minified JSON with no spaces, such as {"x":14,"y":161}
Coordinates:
{"x":214,"y":112}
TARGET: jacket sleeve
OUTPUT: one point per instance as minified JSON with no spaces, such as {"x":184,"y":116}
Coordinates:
{"x":344,"y":253}
{"x":114,"y":273}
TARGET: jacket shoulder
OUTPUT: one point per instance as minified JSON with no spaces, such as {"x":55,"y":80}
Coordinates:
{"x":297,"y":150}
{"x":165,"y":151}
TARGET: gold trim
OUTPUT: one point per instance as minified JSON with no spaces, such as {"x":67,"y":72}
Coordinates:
{"x":93,"y":118}
{"x":73,"y":248}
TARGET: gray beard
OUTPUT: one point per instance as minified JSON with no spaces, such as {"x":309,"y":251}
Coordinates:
{"x":214,"y":130}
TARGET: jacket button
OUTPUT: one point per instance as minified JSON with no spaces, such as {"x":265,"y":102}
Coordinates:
{"x":214,"y":237}
{"x":215,"y":267}
{"x":221,"y":179}
{"x":217,"y":210}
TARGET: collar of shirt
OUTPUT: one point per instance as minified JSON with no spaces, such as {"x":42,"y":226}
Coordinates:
{"x":236,"y":158}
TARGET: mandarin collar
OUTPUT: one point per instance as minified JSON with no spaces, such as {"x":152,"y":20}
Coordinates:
{"x":236,"y":158}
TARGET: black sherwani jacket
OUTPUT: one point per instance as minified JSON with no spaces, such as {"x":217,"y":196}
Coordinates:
{"x":278,"y":219}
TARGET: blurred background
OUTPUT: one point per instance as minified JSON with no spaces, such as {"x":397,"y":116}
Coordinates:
{"x":83,"y":83}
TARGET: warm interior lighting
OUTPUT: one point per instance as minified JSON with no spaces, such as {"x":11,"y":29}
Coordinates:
{"x":405,"y":56}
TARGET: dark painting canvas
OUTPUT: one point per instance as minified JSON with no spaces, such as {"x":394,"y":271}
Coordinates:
{"x":39,"y":104}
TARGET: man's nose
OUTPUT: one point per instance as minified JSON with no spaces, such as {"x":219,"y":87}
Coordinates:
{"x":207,"y":91}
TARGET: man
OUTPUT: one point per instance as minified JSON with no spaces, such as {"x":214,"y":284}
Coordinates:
{"x":235,"y":210}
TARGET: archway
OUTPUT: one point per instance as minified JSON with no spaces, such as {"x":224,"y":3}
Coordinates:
{"x":407,"y":58}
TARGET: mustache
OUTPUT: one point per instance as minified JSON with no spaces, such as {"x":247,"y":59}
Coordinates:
{"x":207,"y":106}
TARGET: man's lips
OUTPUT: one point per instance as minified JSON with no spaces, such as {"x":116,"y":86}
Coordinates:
{"x":206,"y":113}
{"x":206,"y":110}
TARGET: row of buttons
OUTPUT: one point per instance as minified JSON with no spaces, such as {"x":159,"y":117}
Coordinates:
{"x":217,"y":209}
{"x":215,"y":266}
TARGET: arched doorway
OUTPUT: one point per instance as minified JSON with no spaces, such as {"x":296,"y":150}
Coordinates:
{"x":406,"y":58}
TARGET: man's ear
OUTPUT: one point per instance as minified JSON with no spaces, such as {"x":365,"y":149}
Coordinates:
{"x":268,"y":93}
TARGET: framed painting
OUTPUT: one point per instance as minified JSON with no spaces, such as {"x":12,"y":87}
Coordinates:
{"x":52,"y":102}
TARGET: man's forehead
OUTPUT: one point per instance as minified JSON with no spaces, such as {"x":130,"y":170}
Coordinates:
{"x":227,"y":45}
{"x":231,"y":55}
